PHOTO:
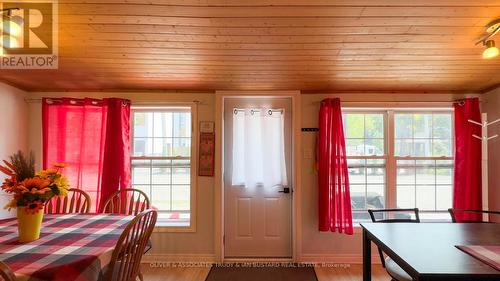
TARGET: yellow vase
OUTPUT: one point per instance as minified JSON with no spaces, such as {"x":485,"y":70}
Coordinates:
{"x":29,"y":224}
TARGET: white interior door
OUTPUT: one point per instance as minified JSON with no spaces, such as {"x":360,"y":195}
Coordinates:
{"x":257,"y":174}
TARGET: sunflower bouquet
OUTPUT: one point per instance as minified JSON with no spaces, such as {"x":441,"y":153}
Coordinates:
{"x":31,"y":190}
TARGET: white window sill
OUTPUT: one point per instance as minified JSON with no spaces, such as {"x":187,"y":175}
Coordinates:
{"x":173,"y":226}
{"x":435,"y":220}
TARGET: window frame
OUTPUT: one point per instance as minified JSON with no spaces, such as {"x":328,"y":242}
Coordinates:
{"x":385,"y":156}
{"x":389,"y":155}
{"x":162,"y":225}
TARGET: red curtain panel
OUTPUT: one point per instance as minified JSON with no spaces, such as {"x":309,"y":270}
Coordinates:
{"x":467,"y":193}
{"x":116,"y":159}
{"x":91,"y":136}
{"x":334,"y":200}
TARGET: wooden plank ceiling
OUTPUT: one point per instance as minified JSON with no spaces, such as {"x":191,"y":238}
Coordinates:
{"x":311,"y":45}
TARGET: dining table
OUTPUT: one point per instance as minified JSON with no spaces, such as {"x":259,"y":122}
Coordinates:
{"x":435,"y":251}
{"x":71,"y":247}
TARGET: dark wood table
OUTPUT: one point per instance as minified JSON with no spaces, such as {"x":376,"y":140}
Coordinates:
{"x":426,"y":251}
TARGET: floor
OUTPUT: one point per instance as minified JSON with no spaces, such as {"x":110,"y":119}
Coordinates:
{"x":353,"y":272}
{"x":332,"y":272}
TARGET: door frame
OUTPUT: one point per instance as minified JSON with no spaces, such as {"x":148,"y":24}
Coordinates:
{"x":220,"y":97}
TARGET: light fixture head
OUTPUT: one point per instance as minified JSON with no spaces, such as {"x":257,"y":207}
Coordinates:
{"x":491,"y":51}
{"x":493,"y":26}
{"x":12,"y":25}
{"x":9,"y":42}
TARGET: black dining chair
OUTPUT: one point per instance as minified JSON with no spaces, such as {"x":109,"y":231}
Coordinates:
{"x":480,"y":215}
{"x":394,"y":216}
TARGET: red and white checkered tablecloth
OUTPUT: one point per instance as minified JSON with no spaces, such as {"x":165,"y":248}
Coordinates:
{"x":71,"y":247}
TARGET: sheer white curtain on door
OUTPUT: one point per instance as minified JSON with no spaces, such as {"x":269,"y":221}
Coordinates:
{"x":258,"y":148}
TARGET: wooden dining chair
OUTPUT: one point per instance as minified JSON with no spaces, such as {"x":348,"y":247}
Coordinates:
{"x":394,"y":216}
{"x":126,"y":259}
{"x":453,"y":213}
{"x":127,"y":201}
{"x":6,"y":273}
{"x":77,"y":201}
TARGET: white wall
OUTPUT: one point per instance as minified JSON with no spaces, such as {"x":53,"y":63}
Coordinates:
{"x":315,"y":246}
{"x":13,"y":133}
{"x":491,"y":105}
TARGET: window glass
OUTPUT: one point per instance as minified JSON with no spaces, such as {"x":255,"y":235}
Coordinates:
{"x":364,"y":134}
{"x":424,"y":164}
{"x":161,"y":160}
{"x":423,"y":157}
{"x":423,"y":134}
{"x":366,"y":161}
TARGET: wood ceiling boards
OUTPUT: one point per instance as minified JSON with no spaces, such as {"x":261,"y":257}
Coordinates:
{"x":311,"y":45}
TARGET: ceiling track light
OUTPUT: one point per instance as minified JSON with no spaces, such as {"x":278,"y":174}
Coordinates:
{"x":11,"y":29}
{"x":491,"y":50}
{"x":8,"y":11}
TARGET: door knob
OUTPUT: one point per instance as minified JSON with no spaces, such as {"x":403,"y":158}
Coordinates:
{"x":285,"y":190}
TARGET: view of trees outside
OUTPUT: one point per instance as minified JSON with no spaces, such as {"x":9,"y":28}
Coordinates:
{"x":426,"y":184}
{"x":423,"y":135}
{"x":364,"y":135}
{"x":161,"y":159}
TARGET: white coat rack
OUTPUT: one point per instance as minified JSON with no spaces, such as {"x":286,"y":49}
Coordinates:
{"x":484,"y":152}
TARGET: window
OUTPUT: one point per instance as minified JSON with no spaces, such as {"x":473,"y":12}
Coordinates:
{"x":365,"y":144}
{"x":258,"y":148}
{"x":161,"y":161}
{"x":424,"y":162}
{"x":400,"y":159}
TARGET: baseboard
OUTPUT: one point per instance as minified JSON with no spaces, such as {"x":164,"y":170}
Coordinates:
{"x":178,"y":258}
{"x":258,"y":260}
{"x":304,"y":258}
{"x":337,"y":259}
